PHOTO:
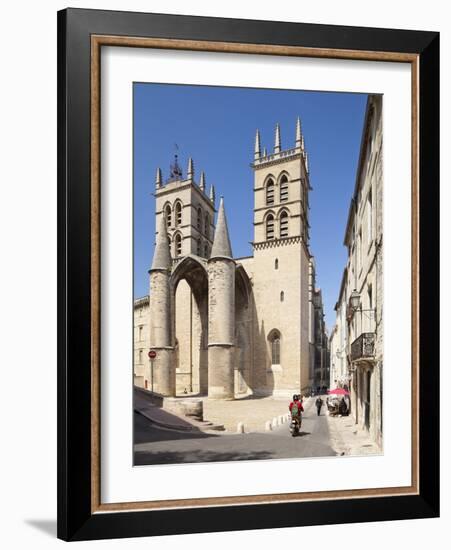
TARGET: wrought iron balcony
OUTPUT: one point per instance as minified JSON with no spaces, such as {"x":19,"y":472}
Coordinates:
{"x":363,"y":346}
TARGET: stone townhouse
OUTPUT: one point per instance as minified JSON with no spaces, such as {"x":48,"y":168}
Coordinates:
{"x":358,"y":333}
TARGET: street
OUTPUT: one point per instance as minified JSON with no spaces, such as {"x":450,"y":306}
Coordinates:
{"x":154,"y":445}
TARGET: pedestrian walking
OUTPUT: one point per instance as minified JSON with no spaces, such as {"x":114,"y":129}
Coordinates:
{"x":319,"y":404}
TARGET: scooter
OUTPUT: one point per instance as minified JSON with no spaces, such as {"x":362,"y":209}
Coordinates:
{"x":295,"y":425}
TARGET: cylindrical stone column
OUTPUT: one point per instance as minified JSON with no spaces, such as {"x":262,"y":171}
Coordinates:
{"x":221,"y":328}
{"x":160,"y":333}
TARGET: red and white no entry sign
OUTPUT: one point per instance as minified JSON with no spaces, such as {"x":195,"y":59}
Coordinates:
{"x":152,"y":354}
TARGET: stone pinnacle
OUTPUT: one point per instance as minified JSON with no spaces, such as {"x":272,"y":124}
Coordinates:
{"x":162,"y":255}
{"x":221,"y":244}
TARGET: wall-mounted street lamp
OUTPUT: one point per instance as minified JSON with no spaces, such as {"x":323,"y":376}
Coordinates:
{"x":354,"y":301}
{"x":356,"y":305}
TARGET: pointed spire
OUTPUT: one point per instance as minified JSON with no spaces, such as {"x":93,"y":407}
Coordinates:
{"x":158,"y":179}
{"x":265,"y":152}
{"x":257,"y":149}
{"x":162,"y":255}
{"x":190,"y":173}
{"x":221,"y":243}
{"x":277,"y":139}
{"x":212,"y":194}
{"x":302,"y":143}
{"x":298,"y":133}
{"x":202,"y":181}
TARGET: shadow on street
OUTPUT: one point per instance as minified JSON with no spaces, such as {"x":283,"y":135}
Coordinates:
{"x":144,"y":432}
{"x":177,"y":457}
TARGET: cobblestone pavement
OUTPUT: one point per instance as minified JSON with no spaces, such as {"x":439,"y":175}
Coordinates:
{"x":346,"y":439}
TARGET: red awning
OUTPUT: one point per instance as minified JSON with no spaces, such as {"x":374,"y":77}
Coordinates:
{"x":338,"y":391}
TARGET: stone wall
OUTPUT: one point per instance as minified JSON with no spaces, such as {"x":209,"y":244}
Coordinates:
{"x":141,"y":343}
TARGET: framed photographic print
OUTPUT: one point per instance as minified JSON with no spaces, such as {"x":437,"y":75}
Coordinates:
{"x":248,"y":274}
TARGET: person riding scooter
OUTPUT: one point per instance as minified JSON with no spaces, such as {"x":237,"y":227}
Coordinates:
{"x":296,"y":408}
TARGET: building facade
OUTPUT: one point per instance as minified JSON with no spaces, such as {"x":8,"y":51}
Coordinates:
{"x":357,"y":338}
{"x":340,"y":376}
{"x":224,"y":326}
{"x":319,"y":344}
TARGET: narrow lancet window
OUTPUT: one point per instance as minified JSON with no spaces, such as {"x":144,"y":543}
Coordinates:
{"x":270,"y":227}
{"x":270,"y":193}
{"x":283,"y":225}
{"x":178,"y":214}
{"x":178,"y":245}
{"x":284,"y":189}
{"x":168,"y":214}
{"x":274,"y":341}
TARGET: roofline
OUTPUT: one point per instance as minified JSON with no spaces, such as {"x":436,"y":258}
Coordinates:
{"x":138,"y":302}
{"x":342,"y":284}
{"x":363,"y":146}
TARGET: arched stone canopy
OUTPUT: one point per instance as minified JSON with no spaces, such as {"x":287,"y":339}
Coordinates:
{"x":190,"y":313}
{"x":194,"y":271}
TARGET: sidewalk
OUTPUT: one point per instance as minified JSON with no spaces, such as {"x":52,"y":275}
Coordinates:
{"x":346,"y":439}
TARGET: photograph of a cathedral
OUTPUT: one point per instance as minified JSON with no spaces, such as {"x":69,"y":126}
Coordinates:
{"x":251,"y":294}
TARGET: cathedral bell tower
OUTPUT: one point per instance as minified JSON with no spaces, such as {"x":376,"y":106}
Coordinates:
{"x":281,"y":187}
{"x":184,"y":218}
{"x":188,"y":210}
{"x":281,"y":261}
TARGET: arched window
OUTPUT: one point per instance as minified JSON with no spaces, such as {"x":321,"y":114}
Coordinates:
{"x":178,"y":244}
{"x":178,"y":214}
{"x":270,"y":227}
{"x":274,"y":343}
{"x":199,"y":219}
{"x":207,"y":226}
{"x":276,"y":264}
{"x":283,"y":224}
{"x":282,"y":296}
{"x":284,"y":189}
{"x":270,"y":192}
{"x":168,"y":214}
{"x":198,"y":247}
{"x":206,"y":250}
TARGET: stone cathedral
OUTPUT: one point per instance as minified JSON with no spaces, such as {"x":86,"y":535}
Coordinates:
{"x":221,"y":326}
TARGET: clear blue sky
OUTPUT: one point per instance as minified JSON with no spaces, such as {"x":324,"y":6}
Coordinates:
{"x":216,"y":127}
